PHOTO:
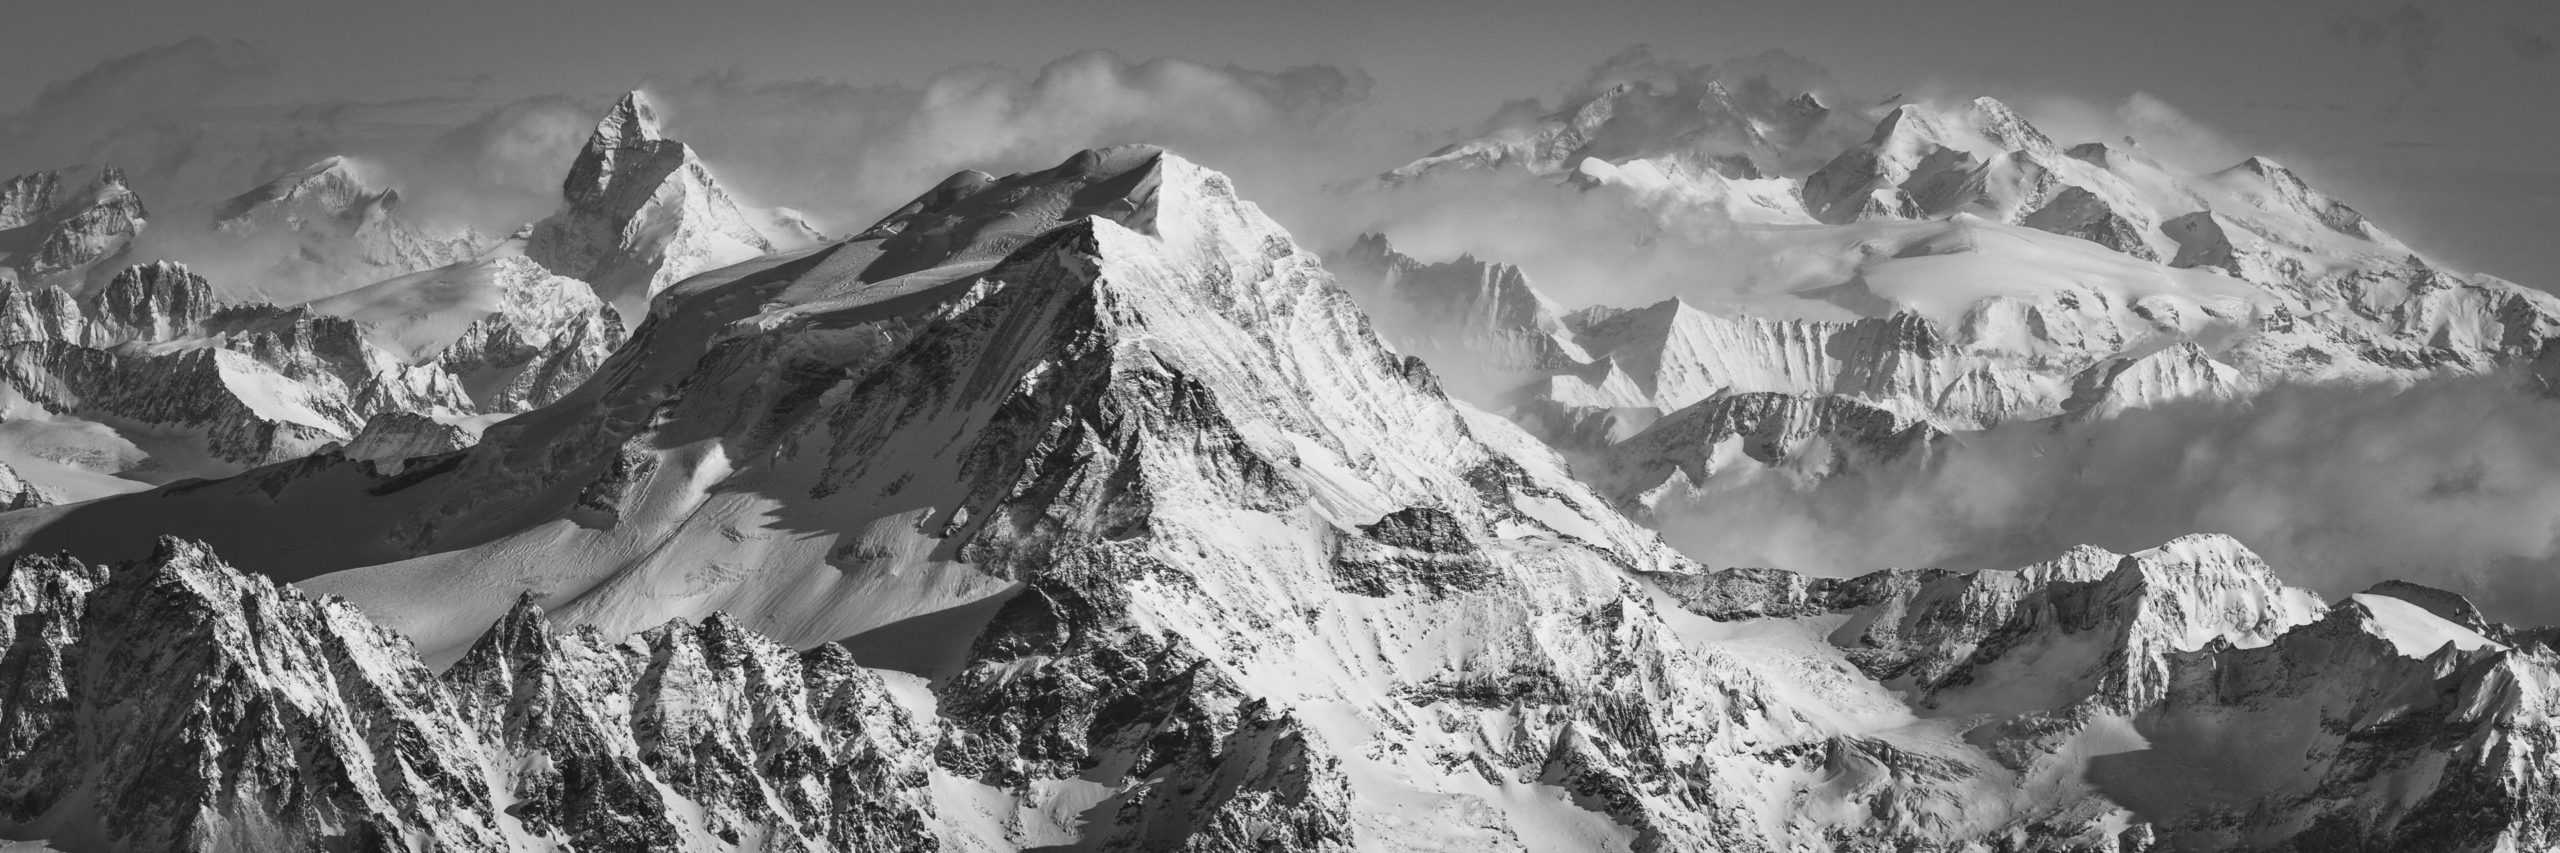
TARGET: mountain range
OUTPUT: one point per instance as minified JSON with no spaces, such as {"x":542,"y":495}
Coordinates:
{"x":1085,"y":508}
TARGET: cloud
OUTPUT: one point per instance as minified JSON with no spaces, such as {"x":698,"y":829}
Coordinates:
{"x":2157,"y":126}
{"x":2451,"y":482}
{"x":848,"y":152}
{"x":139,"y":87}
{"x":195,"y":122}
{"x":1639,"y":64}
{"x":505,"y":164}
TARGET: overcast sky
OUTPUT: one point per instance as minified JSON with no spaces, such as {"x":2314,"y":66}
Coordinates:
{"x":2436,"y":117}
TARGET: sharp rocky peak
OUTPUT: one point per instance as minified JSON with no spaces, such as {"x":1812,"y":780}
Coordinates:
{"x":641,"y":212}
{"x":633,"y":120}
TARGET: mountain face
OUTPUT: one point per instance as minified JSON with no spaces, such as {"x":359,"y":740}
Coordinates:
{"x":128,"y":381}
{"x":151,"y":379}
{"x":56,"y":225}
{"x":1081,"y":508}
{"x":642,"y":212}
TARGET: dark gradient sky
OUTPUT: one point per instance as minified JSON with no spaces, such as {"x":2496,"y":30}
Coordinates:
{"x":2437,"y":117}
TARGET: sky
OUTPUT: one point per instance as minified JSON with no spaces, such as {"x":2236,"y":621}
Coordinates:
{"x":2434,"y":117}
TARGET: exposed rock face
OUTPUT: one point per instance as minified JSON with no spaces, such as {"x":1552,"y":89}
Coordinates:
{"x":151,"y":302}
{"x":641,"y":213}
{"x":2077,"y":212}
{"x":175,"y":704}
{"x":57,"y":225}
{"x":326,"y":227}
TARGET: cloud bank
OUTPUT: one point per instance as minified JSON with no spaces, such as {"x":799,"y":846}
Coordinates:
{"x":2452,"y":482}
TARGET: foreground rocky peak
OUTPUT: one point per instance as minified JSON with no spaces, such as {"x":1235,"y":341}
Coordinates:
{"x":176,"y":704}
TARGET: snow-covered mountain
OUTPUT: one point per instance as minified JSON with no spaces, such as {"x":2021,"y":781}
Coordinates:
{"x":1082,"y":508}
{"x":423,"y":320}
{"x":150,"y":379}
{"x":328,"y":226}
{"x":1957,"y":270}
{"x":56,"y":226}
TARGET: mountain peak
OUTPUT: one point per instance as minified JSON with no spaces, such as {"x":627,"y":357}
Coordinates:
{"x":632,"y":120}
{"x":2006,"y":128}
{"x":641,"y":212}
{"x":1907,"y":120}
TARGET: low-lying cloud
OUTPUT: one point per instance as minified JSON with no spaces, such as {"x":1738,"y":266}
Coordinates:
{"x":2450,"y":482}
